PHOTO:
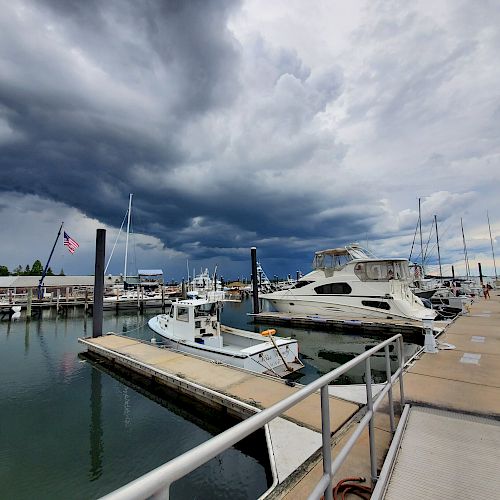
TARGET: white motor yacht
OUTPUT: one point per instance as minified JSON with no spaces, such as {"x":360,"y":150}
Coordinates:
{"x":350,"y":283}
{"x":193,"y":326}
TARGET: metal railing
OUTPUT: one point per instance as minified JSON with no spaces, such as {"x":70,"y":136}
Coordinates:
{"x":157,"y":483}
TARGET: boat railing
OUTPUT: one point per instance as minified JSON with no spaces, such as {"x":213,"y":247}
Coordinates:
{"x":156,"y":484}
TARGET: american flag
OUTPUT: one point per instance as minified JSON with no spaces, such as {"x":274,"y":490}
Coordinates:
{"x":70,"y":243}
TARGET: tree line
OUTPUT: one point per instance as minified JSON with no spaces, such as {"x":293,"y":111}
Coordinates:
{"x":35,"y":270}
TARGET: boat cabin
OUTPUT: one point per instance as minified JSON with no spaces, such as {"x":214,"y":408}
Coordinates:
{"x":382,"y":270}
{"x":194,"y":321}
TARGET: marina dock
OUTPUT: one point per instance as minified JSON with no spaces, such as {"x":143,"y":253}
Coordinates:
{"x":383,"y":327}
{"x":460,"y":383}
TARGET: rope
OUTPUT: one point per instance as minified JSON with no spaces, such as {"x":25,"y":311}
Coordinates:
{"x":351,"y":486}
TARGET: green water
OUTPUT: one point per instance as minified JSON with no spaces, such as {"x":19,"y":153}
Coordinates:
{"x":69,"y":430}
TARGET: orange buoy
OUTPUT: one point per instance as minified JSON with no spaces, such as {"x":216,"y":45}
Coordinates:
{"x":269,"y":332}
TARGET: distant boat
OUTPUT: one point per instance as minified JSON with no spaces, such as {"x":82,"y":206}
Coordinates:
{"x":351,"y":283}
{"x":192,"y":326}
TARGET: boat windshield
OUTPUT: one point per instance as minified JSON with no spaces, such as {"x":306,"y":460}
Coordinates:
{"x":382,"y":270}
{"x":208,"y":309}
{"x":336,"y":258}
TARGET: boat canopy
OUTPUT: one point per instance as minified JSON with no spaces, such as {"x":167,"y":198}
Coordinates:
{"x":335,"y":258}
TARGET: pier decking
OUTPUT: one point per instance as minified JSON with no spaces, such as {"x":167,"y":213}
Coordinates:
{"x":462,"y":383}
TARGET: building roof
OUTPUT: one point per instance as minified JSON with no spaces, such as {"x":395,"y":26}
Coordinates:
{"x":51,"y":281}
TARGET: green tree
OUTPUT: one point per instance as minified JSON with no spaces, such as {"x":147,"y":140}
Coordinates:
{"x":17,"y":270}
{"x":36,"y":269}
{"x":62,"y":272}
{"x":50,"y":272}
{"x":4,"y":271}
{"x":27,"y":270}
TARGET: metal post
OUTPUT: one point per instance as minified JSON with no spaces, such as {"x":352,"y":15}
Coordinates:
{"x":28,"y":307}
{"x":371,"y":424}
{"x":389,"y":375}
{"x":453,"y":272}
{"x":183,"y":290}
{"x":162,"y":299}
{"x":401,"y":360}
{"x":480,"y":273}
{"x":58,"y":299}
{"x":255,"y":286}
{"x":326,"y":435}
{"x":100,"y":250}
{"x":86,"y":306}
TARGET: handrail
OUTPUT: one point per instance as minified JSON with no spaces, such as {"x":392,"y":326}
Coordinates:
{"x":157,"y":482}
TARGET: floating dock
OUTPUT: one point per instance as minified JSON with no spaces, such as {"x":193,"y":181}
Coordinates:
{"x":449,"y":443}
{"x":463,"y":381}
{"x":292,"y":439}
{"x":383,"y":327}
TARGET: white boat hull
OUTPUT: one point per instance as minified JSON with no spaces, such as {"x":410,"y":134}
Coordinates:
{"x":262,"y":357}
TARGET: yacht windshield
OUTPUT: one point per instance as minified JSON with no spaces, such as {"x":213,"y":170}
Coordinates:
{"x":382,"y":270}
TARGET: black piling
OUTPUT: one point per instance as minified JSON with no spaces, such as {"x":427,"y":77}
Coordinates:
{"x":453,"y":272}
{"x":480,"y":272}
{"x":255,"y":286}
{"x":100,"y":249}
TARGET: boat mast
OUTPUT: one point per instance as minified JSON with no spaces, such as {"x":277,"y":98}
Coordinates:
{"x":439,"y":253}
{"x":491,"y":241}
{"x":126,"y":244}
{"x":465,"y":250}
{"x":421,"y":242}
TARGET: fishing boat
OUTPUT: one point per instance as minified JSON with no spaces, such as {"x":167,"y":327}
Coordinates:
{"x":350,"y":283}
{"x":193,"y":326}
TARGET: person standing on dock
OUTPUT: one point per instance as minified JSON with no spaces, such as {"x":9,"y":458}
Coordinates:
{"x":486,"y":292}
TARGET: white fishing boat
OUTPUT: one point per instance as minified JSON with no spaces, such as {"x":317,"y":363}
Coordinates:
{"x":351,"y":283}
{"x":193,"y":326}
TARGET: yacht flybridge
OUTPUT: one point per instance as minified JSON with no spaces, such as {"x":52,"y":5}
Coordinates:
{"x":351,"y":283}
{"x":193,"y":326}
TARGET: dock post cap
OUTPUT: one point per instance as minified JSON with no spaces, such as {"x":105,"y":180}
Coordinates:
{"x":430,"y":344}
{"x":253,"y":248}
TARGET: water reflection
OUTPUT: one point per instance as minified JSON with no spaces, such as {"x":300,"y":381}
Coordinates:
{"x":96,"y":434}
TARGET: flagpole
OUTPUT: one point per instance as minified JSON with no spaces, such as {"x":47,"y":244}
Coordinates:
{"x":40,"y":283}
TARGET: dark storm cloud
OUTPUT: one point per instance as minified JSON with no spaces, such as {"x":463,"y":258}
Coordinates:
{"x":85,"y":94}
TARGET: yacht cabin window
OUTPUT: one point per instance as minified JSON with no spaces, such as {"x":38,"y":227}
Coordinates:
{"x":334,"y":289}
{"x":301,"y":283}
{"x":381,"y":270}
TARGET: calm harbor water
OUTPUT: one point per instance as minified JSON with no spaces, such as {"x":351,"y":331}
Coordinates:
{"x":70,"y":430}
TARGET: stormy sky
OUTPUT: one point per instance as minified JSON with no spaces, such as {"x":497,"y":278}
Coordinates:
{"x":291,"y":126}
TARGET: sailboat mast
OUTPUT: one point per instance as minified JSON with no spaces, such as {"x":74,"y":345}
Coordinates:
{"x":439,"y":253}
{"x":491,"y":241}
{"x":421,"y":241}
{"x":126,"y":244}
{"x":465,"y":250}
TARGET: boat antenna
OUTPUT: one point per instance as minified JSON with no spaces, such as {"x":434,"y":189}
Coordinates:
{"x":491,"y":241}
{"x":465,"y":250}
{"x":439,"y":253}
{"x":126,"y":244}
{"x":40,"y":283}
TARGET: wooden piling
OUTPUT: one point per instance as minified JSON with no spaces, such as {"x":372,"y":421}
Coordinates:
{"x":255,"y":287}
{"x":28,"y":307}
{"x":58,"y":298}
{"x":480,"y":273}
{"x":100,"y":249}
{"x":162,"y":299}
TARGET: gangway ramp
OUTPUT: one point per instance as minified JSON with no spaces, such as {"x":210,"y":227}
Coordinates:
{"x":443,"y":454}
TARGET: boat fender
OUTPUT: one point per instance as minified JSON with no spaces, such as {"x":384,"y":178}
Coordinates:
{"x":267,"y":333}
